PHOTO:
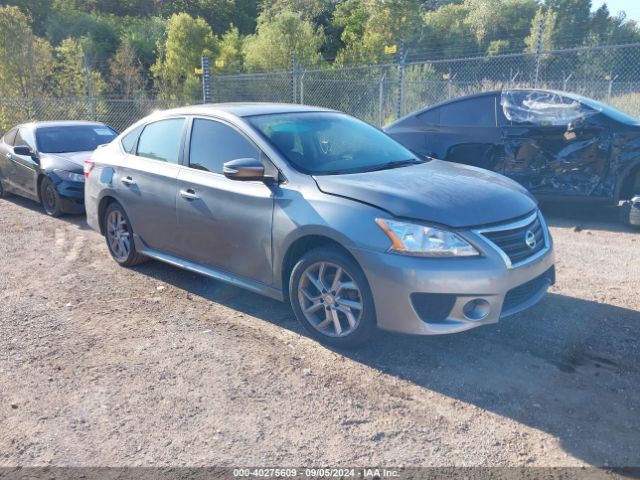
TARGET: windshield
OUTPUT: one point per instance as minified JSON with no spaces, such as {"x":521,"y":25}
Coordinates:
{"x":328,"y":143}
{"x":73,"y":138}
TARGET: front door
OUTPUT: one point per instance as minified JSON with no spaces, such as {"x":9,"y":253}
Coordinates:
{"x":24,"y":168}
{"x":223,"y":223}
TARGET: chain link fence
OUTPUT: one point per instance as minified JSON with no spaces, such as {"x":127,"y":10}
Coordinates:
{"x":116,"y":113}
{"x":380,"y":93}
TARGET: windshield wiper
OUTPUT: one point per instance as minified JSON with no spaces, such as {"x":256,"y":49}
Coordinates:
{"x":384,"y":166}
{"x":397,"y":163}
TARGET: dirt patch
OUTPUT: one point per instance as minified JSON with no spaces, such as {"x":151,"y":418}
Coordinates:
{"x":101,"y":365}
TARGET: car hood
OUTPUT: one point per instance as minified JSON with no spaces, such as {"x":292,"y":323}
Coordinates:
{"x":71,"y":161}
{"x":440,"y":192}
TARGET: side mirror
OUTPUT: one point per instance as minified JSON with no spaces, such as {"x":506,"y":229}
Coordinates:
{"x":23,"y":150}
{"x":244,"y":169}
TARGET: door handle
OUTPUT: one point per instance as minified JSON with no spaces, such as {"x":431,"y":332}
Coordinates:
{"x":128,"y":181}
{"x":189,"y":194}
{"x":10,"y":156}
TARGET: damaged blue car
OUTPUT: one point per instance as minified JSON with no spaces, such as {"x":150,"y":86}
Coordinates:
{"x":556,"y":144}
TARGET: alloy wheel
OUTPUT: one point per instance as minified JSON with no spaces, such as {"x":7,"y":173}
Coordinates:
{"x":49,"y":199}
{"x":118,"y":235}
{"x":330,"y":299}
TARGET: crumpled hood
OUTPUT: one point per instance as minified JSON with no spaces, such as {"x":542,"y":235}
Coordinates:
{"x":441,"y":192}
{"x":71,"y":161}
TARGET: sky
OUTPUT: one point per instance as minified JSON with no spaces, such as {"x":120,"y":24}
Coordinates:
{"x":631,"y":7}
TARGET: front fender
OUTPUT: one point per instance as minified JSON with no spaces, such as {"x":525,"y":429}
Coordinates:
{"x":349,"y":223}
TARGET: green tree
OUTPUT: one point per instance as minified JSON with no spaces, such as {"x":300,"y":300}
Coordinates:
{"x":548,"y":31}
{"x":26,"y":61}
{"x":100,"y":36}
{"x":126,"y":72}
{"x":187,"y":40}
{"x":37,"y":10}
{"x":446,"y":33}
{"x":276,"y":38}
{"x":230,"y":52}
{"x":73,"y":77}
{"x":572,"y":21}
{"x":218,"y":13}
{"x":144,"y":35}
{"x":383,"y":23}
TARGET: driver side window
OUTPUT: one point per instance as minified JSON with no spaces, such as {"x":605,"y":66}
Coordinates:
{"x":214,"y":143}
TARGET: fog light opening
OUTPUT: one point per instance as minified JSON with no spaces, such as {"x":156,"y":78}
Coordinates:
{"x":476,"y":309}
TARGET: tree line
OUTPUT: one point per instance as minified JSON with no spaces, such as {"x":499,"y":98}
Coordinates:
{"x":138,"y":48}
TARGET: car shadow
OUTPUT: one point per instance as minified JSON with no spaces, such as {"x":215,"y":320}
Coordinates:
{"x":585,"y":216}
{"x":80,"y":219}
{"x":569,"y":367}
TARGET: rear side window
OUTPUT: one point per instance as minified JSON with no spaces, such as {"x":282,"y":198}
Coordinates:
{"x":130,"y":140}
{"x":10,"y":136}
{"x":474,"y":112}
{"x":214,"y":143}
{"x":161,"y":140}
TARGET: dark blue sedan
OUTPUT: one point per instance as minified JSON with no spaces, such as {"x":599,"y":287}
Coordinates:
{"x":44,"y":161}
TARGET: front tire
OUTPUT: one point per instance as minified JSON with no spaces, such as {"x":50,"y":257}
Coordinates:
{"x":331,"y":298}
{"x":50,"y":198}
{"x":3,"y":192}
{"x":119,"y":236}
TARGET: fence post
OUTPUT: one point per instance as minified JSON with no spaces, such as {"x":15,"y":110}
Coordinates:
{"x":206,"y":79}
{"x":403,"y":57}
{"x":450,"y":79}
{"x":381,"y":98}
{"x":539,"y":50}
{"x":302,"y":87}
{"x":565,"y":80}
{"x":292,"y":76}
{"x":611,"y":80}
{"x":89,"y":82}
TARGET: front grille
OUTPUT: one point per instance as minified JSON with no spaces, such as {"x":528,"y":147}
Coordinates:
{"x":513,"y":241}
{"x":521,"y":294}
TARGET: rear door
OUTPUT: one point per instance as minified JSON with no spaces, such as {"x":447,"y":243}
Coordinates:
{"x":146,"y":182}
{"x":555,"y":154}
{"x":223,"y":223}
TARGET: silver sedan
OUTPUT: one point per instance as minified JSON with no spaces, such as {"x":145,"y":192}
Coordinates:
{"x":314,"y":207}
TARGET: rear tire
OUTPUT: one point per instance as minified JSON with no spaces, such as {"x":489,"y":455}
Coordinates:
{"x":331,"y":298}
{"x":119,"y":236}
{"x":50,"y":198}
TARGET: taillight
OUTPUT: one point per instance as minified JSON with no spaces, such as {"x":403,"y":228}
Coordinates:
{"x":88,"y":166}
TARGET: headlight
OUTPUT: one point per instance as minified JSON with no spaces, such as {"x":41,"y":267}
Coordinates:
{"x":421,"y":240}
{"x":65,"y":175}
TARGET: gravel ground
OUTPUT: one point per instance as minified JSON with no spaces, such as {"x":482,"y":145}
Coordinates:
{"x":100,"y":365}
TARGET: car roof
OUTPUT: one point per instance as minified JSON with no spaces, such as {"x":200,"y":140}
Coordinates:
{"x":61,"y":123}
{"x":244,"y":109}
{"x":482,"y":94}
